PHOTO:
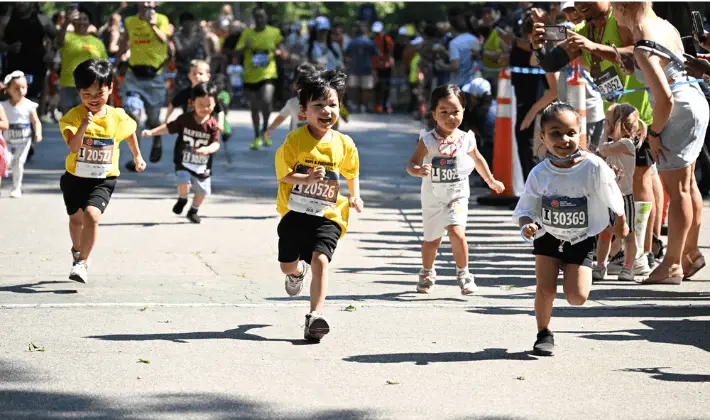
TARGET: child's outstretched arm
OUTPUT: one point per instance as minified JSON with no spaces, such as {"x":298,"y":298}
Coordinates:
{"x":274,"y":125}
{"x":213,"y":146}
{"x":485,"y":172}
{"x":414,"y":166}
{"x":137,"y":156}
{"x":36,"y":125}
{"x":157,"y":131}
{"x":354,"y":188}
{"x":528,"y":227}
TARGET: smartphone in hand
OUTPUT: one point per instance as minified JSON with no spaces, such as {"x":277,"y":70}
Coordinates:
{"x":555,"y":32}
{"x":698,"y":27}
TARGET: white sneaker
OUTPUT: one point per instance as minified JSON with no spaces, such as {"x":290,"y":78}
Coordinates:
{"x":626,"y":274}
{"x":615,"y":263}
{"x":641,"y":266}
{"x":316,"y":327}
{"x":466,"y":282}
{"x":294,"y":284}
{"x":16,"y":193}
{"x":78,"y":272}
{"x":598,"y":272}
{"x":426,"y":281}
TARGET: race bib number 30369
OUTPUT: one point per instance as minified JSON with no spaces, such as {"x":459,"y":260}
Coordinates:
{"x":566,"y":218}
{"x":315,"y":198}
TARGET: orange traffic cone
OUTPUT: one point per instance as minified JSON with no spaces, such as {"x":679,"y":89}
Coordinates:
{"x":576,"y":97}
{"x":506,"y":162}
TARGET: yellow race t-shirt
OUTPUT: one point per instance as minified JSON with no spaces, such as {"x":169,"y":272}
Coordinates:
{"x":146,"y":48}
{"x":76,"y":50}
{"x":300,"y":153}
{"x":259,"y":62}
{"x":492,"y":44}
{"x":98,"y":156}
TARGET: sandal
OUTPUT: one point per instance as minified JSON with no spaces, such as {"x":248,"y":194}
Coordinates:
{"x":696,"y":265}
{"x":665,"y":275}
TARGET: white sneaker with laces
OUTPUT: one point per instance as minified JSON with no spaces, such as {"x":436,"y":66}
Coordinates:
{"x":294,"y":284}
{"x":78,"y":272}
{"x":466,"y":282}
{"x":427,"y":279}
{"x":16,"y":193}
{"x":598,"y":272}
{"x":615,"y":263}
{"x":626,"y":274}
{"x":316,"y":327}
{"x":641,"y":266}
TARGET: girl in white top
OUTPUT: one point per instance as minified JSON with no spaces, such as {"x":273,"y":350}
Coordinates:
{"x":24,"y":125}
{"x":444,"y":158}
{"x":565,"y":204}
{"x":626,"y":133}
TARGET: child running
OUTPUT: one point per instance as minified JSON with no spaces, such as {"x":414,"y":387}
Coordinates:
{"x":444,"y":158}
{"x":93,"y":132}
{"x":197,"y":140}
{"x":565,"y":204}
{"x":626,"y":132}
{"x":309,"y":165}
{"x":24,"y":125}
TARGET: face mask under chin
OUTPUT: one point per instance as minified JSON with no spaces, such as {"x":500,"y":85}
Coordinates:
{"x":554,"y":158}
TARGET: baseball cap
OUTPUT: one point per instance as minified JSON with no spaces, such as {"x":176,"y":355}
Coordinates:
{"x":322,"y":23}
{"x":566,"y":5}
{"x":378,"y":27}
{"x":477,"y":87}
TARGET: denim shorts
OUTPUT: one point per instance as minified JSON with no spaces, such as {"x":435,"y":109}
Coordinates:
{"x":201,"y":186}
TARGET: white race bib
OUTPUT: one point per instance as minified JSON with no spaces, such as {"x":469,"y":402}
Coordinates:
{"x":566,"y":218}
{"x":609,"y":81}
{"x":314,"y":199}
{"x":446,"y":179}
{"x":95,"y":158}
{"x":260,"y":59}
{"x":19,"y":133}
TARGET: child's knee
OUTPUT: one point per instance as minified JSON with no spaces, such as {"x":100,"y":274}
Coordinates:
{"x":77,"y":219}
{"x":92,"y":215}
{"x":577,"y":299}
{"x":320,"y":257}
{"x":289,"y":267}
{"x":456,"y":232}
{"x":432,"y":244}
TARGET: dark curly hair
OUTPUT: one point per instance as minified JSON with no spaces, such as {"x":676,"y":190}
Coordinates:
{"x":551,"y":111}
{"x":313,"y":84}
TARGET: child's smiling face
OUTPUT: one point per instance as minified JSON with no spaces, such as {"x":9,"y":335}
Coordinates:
{"x":561,"y":134}
{"x":322,"y":113}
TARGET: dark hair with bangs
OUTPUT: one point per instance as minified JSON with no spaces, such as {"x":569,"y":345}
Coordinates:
{"x":551,"y":111}
{"x":93,"y":71}
{"x":204,"y":89}
{"x":312,"y":85}
{"x":445,"y":91}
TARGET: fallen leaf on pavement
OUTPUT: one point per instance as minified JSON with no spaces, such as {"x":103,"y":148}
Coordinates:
{"x":147,"y":362}
{"x":520,"y":378}
{"x":350,"y":308}
{"x":392,"y":383}
{"x":34,"y":347}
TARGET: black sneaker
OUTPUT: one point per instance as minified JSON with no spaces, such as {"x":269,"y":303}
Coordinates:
{"x":193,"y":216}
{"x":156,"y":152}
{"x":660,"y":249}
{"x":180,"y":205}
{"x":545,"y":343}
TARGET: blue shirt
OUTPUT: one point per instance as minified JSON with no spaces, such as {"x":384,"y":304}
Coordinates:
{"x":361,"y":50}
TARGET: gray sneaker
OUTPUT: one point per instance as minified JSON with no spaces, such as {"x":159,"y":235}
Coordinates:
{"x":626,"y":274}
{"x":426,"y":281}
{"x":598,"y":272}
{"x":641,"y":266}
{"x":78,"y":272}
{"x":616,"y":263}
{"x":316,"y":327}
{"x":466,"y":282}
{"x":294,"y":284}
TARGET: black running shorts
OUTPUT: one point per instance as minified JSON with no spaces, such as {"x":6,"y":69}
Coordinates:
{"x":300,"y":235}
{"x":80,"y":193}
{"x":580,"y":253}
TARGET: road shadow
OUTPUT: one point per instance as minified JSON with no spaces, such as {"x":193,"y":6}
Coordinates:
{"x":657,"y":373}
{"x":423,"y":359}
{"x":636,"y":311}
{"x":685,"y":332}
{"x":407,"y":296}
{"x":39,"y":287}
{"x":239,"y":333}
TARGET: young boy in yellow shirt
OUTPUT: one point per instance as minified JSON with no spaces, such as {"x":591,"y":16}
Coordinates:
{"x":93,"y":132}
{"x":314,"y":214}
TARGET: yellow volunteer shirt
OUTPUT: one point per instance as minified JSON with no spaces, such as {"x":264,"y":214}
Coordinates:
{"x":300,"y":153}
{"x":98,"y":156}
{"x":146,"y":48}
{"x":492,"y":44}
{"x":76,"y":50}
{"x":259,"y":62}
